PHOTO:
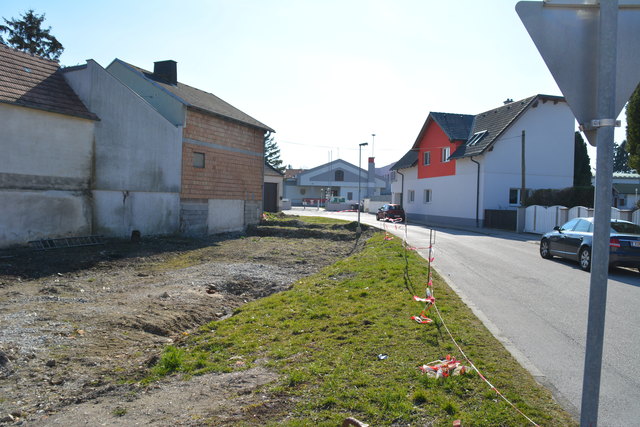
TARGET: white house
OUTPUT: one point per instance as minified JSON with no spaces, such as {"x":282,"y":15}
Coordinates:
{"x":334,"y":180}
{"x":626,"y":187}
{"x":46,"y":141}
{"x":464,"y":167}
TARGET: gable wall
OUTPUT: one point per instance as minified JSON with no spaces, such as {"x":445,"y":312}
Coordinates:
{"x":137,"y":158}
{"x":434,"y":140}
{"x":234,"y":159}
{"x":549,"y":144}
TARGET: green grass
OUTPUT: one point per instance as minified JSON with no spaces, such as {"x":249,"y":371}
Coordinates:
{"x":323,"y":337}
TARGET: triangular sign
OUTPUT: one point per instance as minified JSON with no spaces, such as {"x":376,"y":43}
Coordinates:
{"x":566,"y":36}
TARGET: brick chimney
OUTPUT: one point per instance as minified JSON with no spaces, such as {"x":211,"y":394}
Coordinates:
{"x":371,"y":178}
{"x":166,"y":71}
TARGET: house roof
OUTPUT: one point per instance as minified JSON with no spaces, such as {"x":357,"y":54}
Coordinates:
{"x":408,"y":160}
{"x":455,"y":126}
{"x":490,"y":125}
{"x":292,"y":173}
{"x":626,"y":188}
{"x":199,"y":99}
{"x":272,"y":169}
{"x":34,"y":82}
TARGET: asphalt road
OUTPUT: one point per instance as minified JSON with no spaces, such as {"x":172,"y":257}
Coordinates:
{"x":538,"y":309}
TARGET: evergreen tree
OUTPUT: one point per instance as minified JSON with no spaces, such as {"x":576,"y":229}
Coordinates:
{"x":27,"y":35}
{"x":581,"y":163}
{"x":633,"y":130}
{"x":272,"y":153}
{"x":621,"y":158}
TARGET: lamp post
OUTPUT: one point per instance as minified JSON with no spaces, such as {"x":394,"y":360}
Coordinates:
{"x":358,"y":229}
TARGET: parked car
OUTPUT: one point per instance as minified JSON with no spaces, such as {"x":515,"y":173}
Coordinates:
{"x":573,"y":240}
{"x":390,"y":211}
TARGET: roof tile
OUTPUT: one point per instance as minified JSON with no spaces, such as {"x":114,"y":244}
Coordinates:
{"x":34,"y":82}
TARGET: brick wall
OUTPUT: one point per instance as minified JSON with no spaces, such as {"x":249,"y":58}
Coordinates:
{"x":227,"y":174}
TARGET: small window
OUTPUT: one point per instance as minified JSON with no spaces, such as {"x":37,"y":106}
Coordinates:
{"x":339,"y":175}
{"x":350,"y":195}
{"x":477,"y":137}
{"x":426,"y":158}
{"x":446,"y":152}
{"x":392,"y":176}
{"x":412,"y":196}
{"x":427,"y":196}
{"x":514,"y":196}
{"x":198,"y":160}
{"x":303,"y":191}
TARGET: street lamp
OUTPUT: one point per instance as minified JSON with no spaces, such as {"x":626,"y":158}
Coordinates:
{"x":358,"y":229}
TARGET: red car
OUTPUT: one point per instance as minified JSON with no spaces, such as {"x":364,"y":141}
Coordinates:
{"x":387,"y":212}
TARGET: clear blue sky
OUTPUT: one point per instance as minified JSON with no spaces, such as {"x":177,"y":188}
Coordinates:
{"x":325,"y":74}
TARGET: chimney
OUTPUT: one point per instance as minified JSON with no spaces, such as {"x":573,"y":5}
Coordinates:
{"x":508,"y":101}
{"x":166,"y":71}
{"x":371,"y":178}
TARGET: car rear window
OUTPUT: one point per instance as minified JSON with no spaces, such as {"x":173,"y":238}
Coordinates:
{"x":625,"y":227}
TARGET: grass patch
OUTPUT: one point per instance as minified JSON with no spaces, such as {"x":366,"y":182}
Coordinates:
{"x":323,"y":336}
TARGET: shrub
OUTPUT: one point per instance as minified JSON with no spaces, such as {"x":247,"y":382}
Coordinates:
{"x":569,"y":197}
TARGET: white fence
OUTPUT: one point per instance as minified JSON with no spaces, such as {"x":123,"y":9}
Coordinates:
{"x":540,"y":219}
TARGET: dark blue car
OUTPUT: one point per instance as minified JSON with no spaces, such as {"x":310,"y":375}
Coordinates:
{"x":573,"y":241}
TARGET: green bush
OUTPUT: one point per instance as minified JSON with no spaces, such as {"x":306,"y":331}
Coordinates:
{"x":569,"y":197}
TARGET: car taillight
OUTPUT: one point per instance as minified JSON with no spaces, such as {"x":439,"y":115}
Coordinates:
{"x":614,"y":243}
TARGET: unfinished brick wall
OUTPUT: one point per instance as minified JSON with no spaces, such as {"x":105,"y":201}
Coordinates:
{"x":227,"y":174}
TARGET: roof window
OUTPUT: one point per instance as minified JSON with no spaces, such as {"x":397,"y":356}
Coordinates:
{"x":477,"y":137}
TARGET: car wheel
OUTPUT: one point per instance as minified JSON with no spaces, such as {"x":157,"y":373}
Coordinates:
{"x":584,"y":257}
{"x":545,"y":252}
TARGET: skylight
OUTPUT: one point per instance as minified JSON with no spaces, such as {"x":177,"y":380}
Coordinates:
{"x":477,"y":137}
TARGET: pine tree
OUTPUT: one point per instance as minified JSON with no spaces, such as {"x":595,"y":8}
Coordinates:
{"x":621,"y":158}
{"x":581,"y":163}
{"x":633,"y":130}
{"x":272,"y":153}
{"x":28,"y":36}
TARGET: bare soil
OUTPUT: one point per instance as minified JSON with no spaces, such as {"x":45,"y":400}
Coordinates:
{"x":78,"y":324}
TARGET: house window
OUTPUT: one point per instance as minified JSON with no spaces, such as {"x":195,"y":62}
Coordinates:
{"x":446,"y":152}
{"x":350,"y":195}
{"x":412,"y":196}
{"x":303,"y":191}
{"x":514,"y":196}
{"x":392,"y":176}
{"x":426,"y":158}
{"x":477,"y":137}
{"x":339,"y":175}
{"x":198,"y":160}
{"x":427,"y":196}
{"x":622,"y":200}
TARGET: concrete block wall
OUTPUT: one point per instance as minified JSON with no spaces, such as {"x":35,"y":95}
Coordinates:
{"x":194,"y":216}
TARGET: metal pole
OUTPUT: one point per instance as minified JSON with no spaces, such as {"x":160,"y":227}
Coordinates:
{"x":358,"y":229}
{"x":606,"y":85}
{"x":524,"y":172}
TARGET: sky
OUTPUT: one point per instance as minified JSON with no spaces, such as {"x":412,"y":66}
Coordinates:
{"x":324,"y":74}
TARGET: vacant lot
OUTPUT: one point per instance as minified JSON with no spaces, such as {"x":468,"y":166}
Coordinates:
{"x":78,"y":323}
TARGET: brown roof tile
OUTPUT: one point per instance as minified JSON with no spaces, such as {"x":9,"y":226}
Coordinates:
{"x":31,"y":81}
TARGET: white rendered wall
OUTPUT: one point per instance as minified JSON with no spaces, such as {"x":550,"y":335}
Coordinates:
{"x":138,"y":155}
{"x":45,"y":171}
{"x":549,"y":145}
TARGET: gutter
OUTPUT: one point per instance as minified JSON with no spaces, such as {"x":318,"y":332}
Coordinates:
{"x":477,"y":193}
{"x":401,"y":189}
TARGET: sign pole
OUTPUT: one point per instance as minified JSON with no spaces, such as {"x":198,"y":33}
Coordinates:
{"x":606,"y":91}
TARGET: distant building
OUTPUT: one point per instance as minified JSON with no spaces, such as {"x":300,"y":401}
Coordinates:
{"x":334,"y":181}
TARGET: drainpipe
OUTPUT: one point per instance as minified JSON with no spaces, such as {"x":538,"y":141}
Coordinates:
{"x":401,"y":189}
{"x":477,"y":194}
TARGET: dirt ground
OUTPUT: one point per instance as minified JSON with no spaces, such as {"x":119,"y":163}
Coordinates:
{"x":77,"y":323}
